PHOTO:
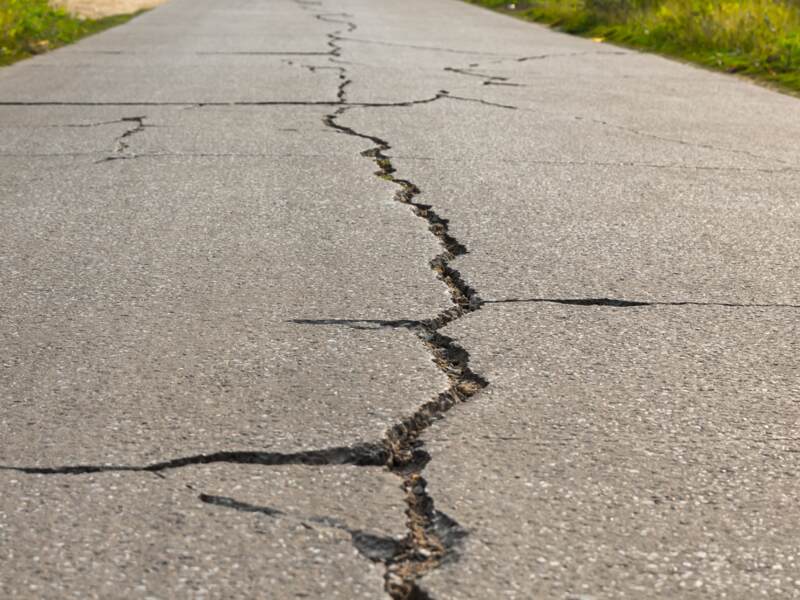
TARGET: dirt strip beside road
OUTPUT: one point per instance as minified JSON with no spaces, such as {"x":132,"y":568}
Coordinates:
{"x":96,"y":9}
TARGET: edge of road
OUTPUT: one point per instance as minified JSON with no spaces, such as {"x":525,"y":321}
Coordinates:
{"x":50,"y":27}
{"x":754,"y":78}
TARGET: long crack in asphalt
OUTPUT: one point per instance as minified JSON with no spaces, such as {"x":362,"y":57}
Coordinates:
{"x":432,"y":538}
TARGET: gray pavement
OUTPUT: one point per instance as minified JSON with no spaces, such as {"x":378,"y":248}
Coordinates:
{"x":361,"y":299}
{"x":643,"y":452}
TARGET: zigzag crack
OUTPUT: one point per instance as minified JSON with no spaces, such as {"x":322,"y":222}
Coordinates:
{"x":122,"y":144}
{"x":432,"y":538}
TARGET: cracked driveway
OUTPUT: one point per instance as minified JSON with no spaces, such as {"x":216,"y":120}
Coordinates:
{"x":366,"y":299}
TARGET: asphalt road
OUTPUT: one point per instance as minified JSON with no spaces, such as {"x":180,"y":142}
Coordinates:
{"x":369,"y":299}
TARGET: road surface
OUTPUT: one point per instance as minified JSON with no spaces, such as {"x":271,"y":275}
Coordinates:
{"x":369,"y":299}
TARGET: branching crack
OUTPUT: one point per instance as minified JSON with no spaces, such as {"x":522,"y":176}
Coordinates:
{"x":469,"y":71}
{"x":426,"y":545}
{"x":432,"y":537}
{"x":487,"y":79}
{"x":120,"y":151}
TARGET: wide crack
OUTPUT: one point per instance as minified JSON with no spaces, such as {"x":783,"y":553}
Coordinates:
{"x":621,"y":303}
{"x":432,"y":536}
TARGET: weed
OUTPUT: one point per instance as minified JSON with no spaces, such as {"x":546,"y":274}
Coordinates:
{"x":758,"y":38}
{"x":30,"y":27}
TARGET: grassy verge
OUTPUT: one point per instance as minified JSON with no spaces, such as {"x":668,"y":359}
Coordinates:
{"x":757,"y":38}
{"x":30,"y":27}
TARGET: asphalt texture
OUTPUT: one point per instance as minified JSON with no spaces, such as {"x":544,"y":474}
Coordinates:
{"x":358,"y":299}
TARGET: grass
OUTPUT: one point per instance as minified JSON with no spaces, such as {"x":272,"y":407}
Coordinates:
{"x":757,"y":38}
{"x":30,"y":27}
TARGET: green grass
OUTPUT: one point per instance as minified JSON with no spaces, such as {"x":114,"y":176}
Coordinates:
{"x":30,"y":27}
{"x":757,"y":38}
